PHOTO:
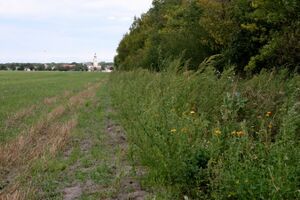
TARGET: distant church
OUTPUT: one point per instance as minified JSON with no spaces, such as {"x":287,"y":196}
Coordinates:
{"x":95,"y":65}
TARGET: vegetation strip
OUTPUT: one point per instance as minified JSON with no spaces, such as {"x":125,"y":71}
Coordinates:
{"x":212,"y":136}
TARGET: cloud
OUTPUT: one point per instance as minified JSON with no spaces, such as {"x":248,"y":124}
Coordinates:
{"x":53,"y":8}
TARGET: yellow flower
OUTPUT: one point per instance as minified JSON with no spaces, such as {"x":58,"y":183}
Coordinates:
{"x":268,"y":114}
{"x":217,"y":132}
{"x":270,"y":126}
{"x":193,"y":112}
{"x":173,"y":130}
{"x":238,"y":133}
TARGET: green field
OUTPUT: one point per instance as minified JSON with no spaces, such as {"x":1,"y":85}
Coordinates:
{"x":20,"y":91}
{"x":59,"y":139}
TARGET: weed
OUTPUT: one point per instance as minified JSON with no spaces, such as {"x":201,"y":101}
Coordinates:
{"x":208,"y":136}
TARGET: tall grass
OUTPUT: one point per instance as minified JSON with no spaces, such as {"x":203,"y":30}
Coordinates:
{"x":205,"y":136}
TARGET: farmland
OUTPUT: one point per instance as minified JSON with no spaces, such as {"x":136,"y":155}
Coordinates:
{"x":34,"y":93}
{"x":139,"y":135}
{"x":59,"y":139}
{"x":203,"y":102}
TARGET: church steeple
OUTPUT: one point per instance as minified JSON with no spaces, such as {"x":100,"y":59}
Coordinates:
{"x":95,"y":62}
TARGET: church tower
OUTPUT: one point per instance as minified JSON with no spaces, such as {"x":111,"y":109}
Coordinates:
{"x":95,"y":62}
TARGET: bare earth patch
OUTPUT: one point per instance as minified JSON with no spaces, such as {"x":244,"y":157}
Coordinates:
{"x":129,"y":188}
{"x":72,"y":192}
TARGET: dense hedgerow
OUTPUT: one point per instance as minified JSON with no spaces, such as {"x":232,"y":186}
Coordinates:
{"x":213,"y":137}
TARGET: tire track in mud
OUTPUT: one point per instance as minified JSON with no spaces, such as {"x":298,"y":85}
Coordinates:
{"x":129,"y":187}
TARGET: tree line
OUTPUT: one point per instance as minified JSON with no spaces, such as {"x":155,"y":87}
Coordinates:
{"x":74,"y":66}
{"x":249,"y":35}
{"x":44,"y":67}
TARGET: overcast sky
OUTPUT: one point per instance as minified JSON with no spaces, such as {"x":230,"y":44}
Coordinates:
{"x":64,"y":30}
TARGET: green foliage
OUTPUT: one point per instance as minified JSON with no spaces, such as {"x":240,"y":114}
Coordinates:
{"x":250,"y":35}
{"x":213,"y":136}
{"x":169,"y":30}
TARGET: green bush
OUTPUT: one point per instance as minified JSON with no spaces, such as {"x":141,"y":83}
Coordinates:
{"x":213,"y":136}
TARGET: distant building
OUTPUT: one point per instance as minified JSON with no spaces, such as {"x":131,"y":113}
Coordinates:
{"x":95,"y":65}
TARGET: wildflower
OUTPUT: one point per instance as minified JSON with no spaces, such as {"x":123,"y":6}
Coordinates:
{"x":268,"y":114}
{"x":217,"y":132}
{"x":173,"y":130}
{"x":270,"y":126}
{"x":238,"y":133}
{"x":193,"y":112}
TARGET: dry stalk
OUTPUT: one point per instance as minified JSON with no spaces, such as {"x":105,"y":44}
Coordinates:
{"x":56,"y":137}
{"x":50,"y":100}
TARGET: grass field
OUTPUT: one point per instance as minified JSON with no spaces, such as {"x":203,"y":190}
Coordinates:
{"x":25,"y":96}
{"x":59,"y":139}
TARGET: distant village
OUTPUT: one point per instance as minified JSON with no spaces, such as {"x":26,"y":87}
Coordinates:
{"x":93,"y":66}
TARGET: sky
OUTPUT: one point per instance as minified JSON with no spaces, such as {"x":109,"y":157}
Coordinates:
{"x":64,"y":30}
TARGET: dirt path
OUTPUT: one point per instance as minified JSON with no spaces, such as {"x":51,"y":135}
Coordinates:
{"x":115,"y":180}
{"x":107,"y":175}
{"x":129,"y":186}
